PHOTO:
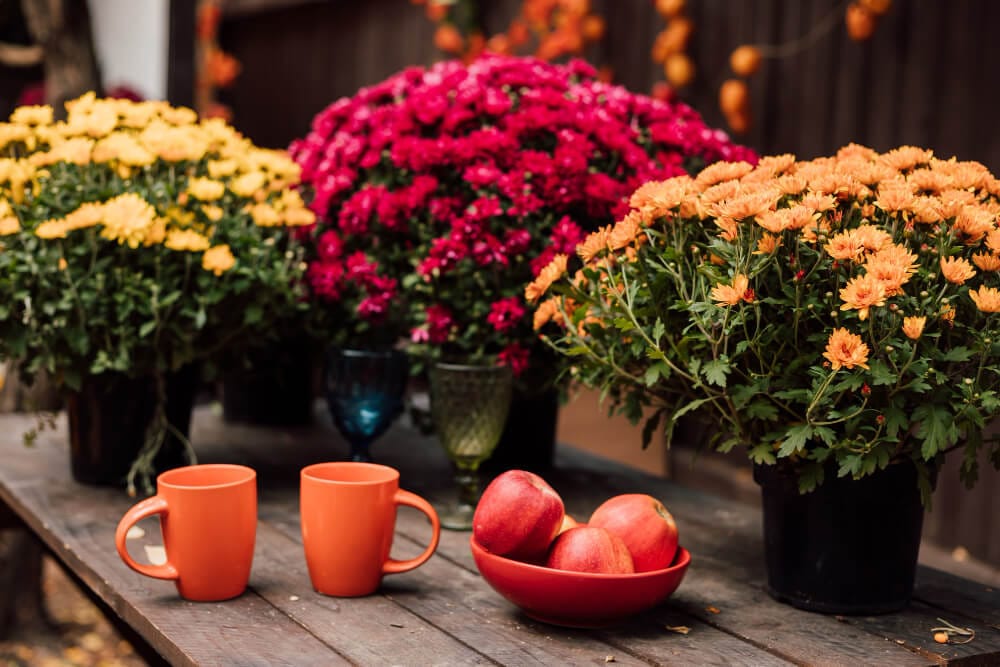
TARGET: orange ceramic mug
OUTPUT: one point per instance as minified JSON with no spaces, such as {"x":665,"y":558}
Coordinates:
{"x":348,"y":520}
{"x":208,"y":516}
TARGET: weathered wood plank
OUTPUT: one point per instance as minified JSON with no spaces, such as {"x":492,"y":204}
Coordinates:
{"x":79,"y":528}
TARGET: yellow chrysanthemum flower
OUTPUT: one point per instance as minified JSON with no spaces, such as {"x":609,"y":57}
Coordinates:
{"x":186,"y":240}
{"x":221,"y":168}
{"x":52,"y":229}
{"x":218,"y":259}
{"x":9,"y":225}
{"x":298,"y":217}
{"x":87,"y":215}
{"x":264,"y":215}
{"x":248,"y":185}
{"x":205,"y":189}
{"x":128,"y":218}
{"x":32,"y":115}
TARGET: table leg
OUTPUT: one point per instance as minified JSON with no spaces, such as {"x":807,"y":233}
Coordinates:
{"x":21,"y":603}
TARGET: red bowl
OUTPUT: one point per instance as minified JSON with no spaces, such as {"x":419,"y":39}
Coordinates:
{"x":578,"y":599}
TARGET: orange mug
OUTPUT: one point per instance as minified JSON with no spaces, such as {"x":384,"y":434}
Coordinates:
{"x":208,"y":517}
{"x":348,"y":519}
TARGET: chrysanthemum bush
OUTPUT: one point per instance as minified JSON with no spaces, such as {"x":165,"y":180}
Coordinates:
{"x":442,"y":191}
{"x":837,"y":314}
{"x":137,"y":239}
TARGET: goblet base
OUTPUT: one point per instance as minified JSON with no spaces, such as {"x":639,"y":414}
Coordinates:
{"x":456,"y":516}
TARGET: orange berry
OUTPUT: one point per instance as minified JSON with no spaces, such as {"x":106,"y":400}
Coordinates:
{"x":679,"y":70}
{"x":592,"y":28}
{"x":734,"y":96}
{"x":739,"y":123}
{"x":668,"y":8}
{"x":498,"y":44}
{"x":860,"y":22}
{"x":877,"y":7}
{"x":661,"y":91}
{"x":448,"y":39}
{"x":436,"y":11}
{"x":941,"y":637}
{"x":517,"y":33}
{"x":677,"y":34}
{"x":745,"y":60}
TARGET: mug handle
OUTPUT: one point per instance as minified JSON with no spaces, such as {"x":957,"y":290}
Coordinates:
{"x":141,"y":510}
{"x":402,"y":497}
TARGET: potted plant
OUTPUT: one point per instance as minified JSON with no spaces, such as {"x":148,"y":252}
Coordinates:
{"x":835,"y":317}
{"x":441,"y":191}
{"x":138,"y":241}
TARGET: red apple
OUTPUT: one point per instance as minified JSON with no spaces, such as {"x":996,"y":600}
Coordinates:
{"x":567,"y":523}
{"x":644,"y":524}
{"x":589,"y":549}
{"x":518,"y":516}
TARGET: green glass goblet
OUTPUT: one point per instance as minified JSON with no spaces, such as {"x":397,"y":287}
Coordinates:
{"x":469,"y":406}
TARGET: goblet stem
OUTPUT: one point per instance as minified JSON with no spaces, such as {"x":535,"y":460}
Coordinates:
{"x":360,"y":451}
{"x":458,"y":516}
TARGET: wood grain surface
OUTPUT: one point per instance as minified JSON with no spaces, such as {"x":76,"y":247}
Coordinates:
{"x":443,"y":612}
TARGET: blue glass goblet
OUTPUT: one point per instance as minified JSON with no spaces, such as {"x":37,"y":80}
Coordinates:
{"x":364,"y":391}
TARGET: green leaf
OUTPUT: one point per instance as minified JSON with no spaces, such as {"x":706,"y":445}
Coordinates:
{"x":253,"y":314}
{"x":147,"y":328}
{"x":960,"y":353}
{"x":623,"y":324}
{"x":795,"y":440}
{"x":937,"y":429}
{"x":762,"y":454}
{"x":716,"y":370}
{"x":881,"y":374}
{"x":810,"y":477}
{"x":658,"y":330}
{"x":762,"y":409}
{"x":895,"y":421}
{"x":199,"y":318}
{"x":650,"y":426}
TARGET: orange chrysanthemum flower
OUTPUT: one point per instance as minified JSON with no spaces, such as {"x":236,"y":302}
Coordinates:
{"x":906,"y":157}
{"x":913,"y":327}
{"x":956,"y":269}
{"x":626,"y":231}
{"x":818,"y":202}
{"x":791,"y":184}
{"x":730,"y":295}
{"x":929,"y":180}
{"x":548,"y":275}
{"x":749,"y":204}
{"x":720,"y":192}
{"x":856,"y":150}
{"x":721,"y":171}
{"x":892,"y":274}
{"x":986,"y":261}
{"x":972,"y":223}
{"x":595,"y":243}
{"x":993,"y":240}
{"x":965,"y":174}
{"x":547,"y":310}
{"x":844,"y":246}
{"x":926,"y":209}
{"x":861,"y":293}
{"x":953,"y":201}
{"x":767,"y":244}
{"x":987,"y":299}
{"x":894,"y":197}
{"x":846,"y":350}
{"x":872,"y":238}
{"x":658,"y":199}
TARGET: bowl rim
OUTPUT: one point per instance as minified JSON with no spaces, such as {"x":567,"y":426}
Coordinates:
{"x":681,"y":560}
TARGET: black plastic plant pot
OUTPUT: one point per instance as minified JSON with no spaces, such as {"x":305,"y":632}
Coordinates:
{"x":849,"y":547}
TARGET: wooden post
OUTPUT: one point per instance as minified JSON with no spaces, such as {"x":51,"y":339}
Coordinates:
{"x":21,"y":604}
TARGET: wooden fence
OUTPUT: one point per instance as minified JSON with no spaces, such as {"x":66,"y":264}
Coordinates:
{"x":928,"y":77}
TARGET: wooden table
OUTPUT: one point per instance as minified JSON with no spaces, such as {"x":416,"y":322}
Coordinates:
{"x":444,"y":613}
